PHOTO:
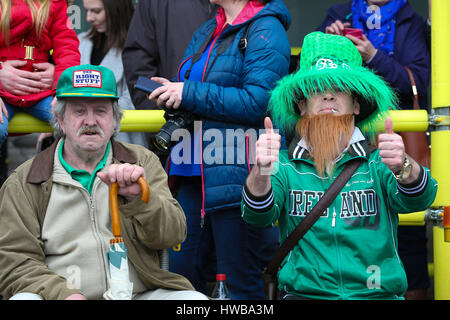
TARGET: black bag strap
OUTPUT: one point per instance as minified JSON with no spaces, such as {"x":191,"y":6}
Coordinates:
{"x":198,"y":54}
{"x":312,"y":216}
{"x":243,"y":42}
{"x":242,"y":45}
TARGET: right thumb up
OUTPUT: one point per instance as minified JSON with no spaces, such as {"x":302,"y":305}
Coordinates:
{"x":268,"y":125}
{"x":267,"y":148}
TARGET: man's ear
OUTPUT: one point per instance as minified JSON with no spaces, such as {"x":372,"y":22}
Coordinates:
{"x":120,"y":120}
{"x":302,"y":107}
{"x":357,"y":109}
{"x":60,"y":122}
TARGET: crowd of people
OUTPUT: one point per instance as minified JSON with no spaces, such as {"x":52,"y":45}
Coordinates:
{"x":254,"y":142}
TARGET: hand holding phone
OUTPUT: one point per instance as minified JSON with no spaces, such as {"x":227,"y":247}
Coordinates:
{"x":147,"y":85}
{"x":357,"y":33}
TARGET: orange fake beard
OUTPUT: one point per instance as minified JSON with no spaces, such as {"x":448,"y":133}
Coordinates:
{"x":326,"y":136}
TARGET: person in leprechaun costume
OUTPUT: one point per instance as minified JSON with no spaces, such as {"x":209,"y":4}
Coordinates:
{"x":332,"y":105}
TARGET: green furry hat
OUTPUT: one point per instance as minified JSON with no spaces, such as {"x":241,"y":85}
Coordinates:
{"x":331,"y":62}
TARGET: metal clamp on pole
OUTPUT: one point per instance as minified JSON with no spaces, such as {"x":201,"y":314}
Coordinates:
{"x":440,"y":218}
{"x":435,"y":216}
{"x":440,"y":119}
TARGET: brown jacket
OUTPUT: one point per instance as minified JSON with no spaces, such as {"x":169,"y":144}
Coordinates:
{"x":146,"y":228}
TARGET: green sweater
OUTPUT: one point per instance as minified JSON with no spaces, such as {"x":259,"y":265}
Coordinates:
{"x":351,"y":251}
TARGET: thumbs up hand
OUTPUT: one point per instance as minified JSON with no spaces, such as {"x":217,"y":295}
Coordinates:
{"x":392,"y":148}
{"x":267,"y":148}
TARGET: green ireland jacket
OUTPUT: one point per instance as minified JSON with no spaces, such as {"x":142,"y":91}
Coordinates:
{"x":351,"y":251}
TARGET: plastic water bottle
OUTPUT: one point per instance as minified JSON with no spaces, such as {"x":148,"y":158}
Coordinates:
{"x":220,"y":291}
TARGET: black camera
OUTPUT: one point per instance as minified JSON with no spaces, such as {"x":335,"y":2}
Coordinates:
{"x":175,"y":119}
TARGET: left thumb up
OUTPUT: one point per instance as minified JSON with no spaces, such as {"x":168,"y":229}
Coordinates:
{"x":388,"y":126}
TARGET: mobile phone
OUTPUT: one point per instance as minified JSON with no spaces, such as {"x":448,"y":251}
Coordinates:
{"x":357,"y":33}
{"x":146,"y":85}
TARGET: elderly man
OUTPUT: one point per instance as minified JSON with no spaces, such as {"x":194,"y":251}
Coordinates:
{"x":55,"y":223}
{"x":351,"y":250}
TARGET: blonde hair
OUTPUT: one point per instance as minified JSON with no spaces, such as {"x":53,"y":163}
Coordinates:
{"x":39,"y":16}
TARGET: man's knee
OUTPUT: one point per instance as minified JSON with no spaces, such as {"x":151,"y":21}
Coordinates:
{"x":189,"y":295}
{"x":164,"y":294}
{"x":26,"y":296}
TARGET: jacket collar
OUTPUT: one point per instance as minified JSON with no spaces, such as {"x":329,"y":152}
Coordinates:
{"x":42,"y":166}
{"x":405,"y":13}
{"x":247,"y":13}
{"x":358,"y":147}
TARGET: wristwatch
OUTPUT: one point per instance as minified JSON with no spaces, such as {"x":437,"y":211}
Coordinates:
{"x":405,"y":171}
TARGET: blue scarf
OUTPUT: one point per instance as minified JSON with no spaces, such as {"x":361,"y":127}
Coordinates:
{"x":379,"y":25}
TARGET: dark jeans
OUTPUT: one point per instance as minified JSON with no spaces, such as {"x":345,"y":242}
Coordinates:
{"x":412,"y":248}
{"x":41,"y":111}
{"x":226,"y":244}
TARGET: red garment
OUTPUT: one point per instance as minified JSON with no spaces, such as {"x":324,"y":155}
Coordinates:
{"x":57,"y":35}
{"x":250,"y":10}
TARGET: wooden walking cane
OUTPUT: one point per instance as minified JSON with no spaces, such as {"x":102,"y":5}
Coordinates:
{"x":114,"y":206}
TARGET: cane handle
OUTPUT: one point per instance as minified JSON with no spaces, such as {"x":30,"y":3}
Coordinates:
{"x":114,"y":203}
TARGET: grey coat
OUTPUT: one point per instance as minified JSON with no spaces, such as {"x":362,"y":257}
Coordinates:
{"x":159,"y":34}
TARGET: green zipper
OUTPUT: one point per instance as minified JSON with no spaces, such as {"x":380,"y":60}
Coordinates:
{"x":333,"y":227}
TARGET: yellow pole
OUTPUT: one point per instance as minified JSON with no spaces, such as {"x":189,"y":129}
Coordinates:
{"x":132,"y":121}
{"x":440,"y":138}
{"x":407,"y":120}
{"x":412,"y":219}
{"x":142,"y":120}
{"x":152,"y":121}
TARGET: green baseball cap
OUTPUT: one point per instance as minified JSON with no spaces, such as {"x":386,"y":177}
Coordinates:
{"x":87,"y":81}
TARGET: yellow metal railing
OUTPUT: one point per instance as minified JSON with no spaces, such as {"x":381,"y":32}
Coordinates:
{"x":132,"y":121}
{"x":152,"y":121}
{"x":440,"y":139}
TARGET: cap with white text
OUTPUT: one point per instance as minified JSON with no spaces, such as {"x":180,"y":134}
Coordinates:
{"x":87,"y":81}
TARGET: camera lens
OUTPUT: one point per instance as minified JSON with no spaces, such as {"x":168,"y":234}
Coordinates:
{"x":160,"y":142}
{"x":174,"y":120}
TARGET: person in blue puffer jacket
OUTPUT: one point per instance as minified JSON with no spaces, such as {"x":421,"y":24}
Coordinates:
{"x":231,"y":64}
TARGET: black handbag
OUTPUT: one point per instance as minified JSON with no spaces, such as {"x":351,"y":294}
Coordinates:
{"x":270,"y":272}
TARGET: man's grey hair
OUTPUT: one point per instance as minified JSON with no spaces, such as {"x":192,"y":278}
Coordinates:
{"x":59,"y":109}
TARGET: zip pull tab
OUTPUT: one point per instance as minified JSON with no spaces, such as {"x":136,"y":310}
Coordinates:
{"x":333,"y":222}
{"x":202,"y":218}
{"x":91,"y":209}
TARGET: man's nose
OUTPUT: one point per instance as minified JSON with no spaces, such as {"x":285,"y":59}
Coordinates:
{"x":327,"y":96}
{"x":90,"y":118}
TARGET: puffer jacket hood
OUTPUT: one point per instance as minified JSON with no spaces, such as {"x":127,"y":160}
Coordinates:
{"x":278,"y":9}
